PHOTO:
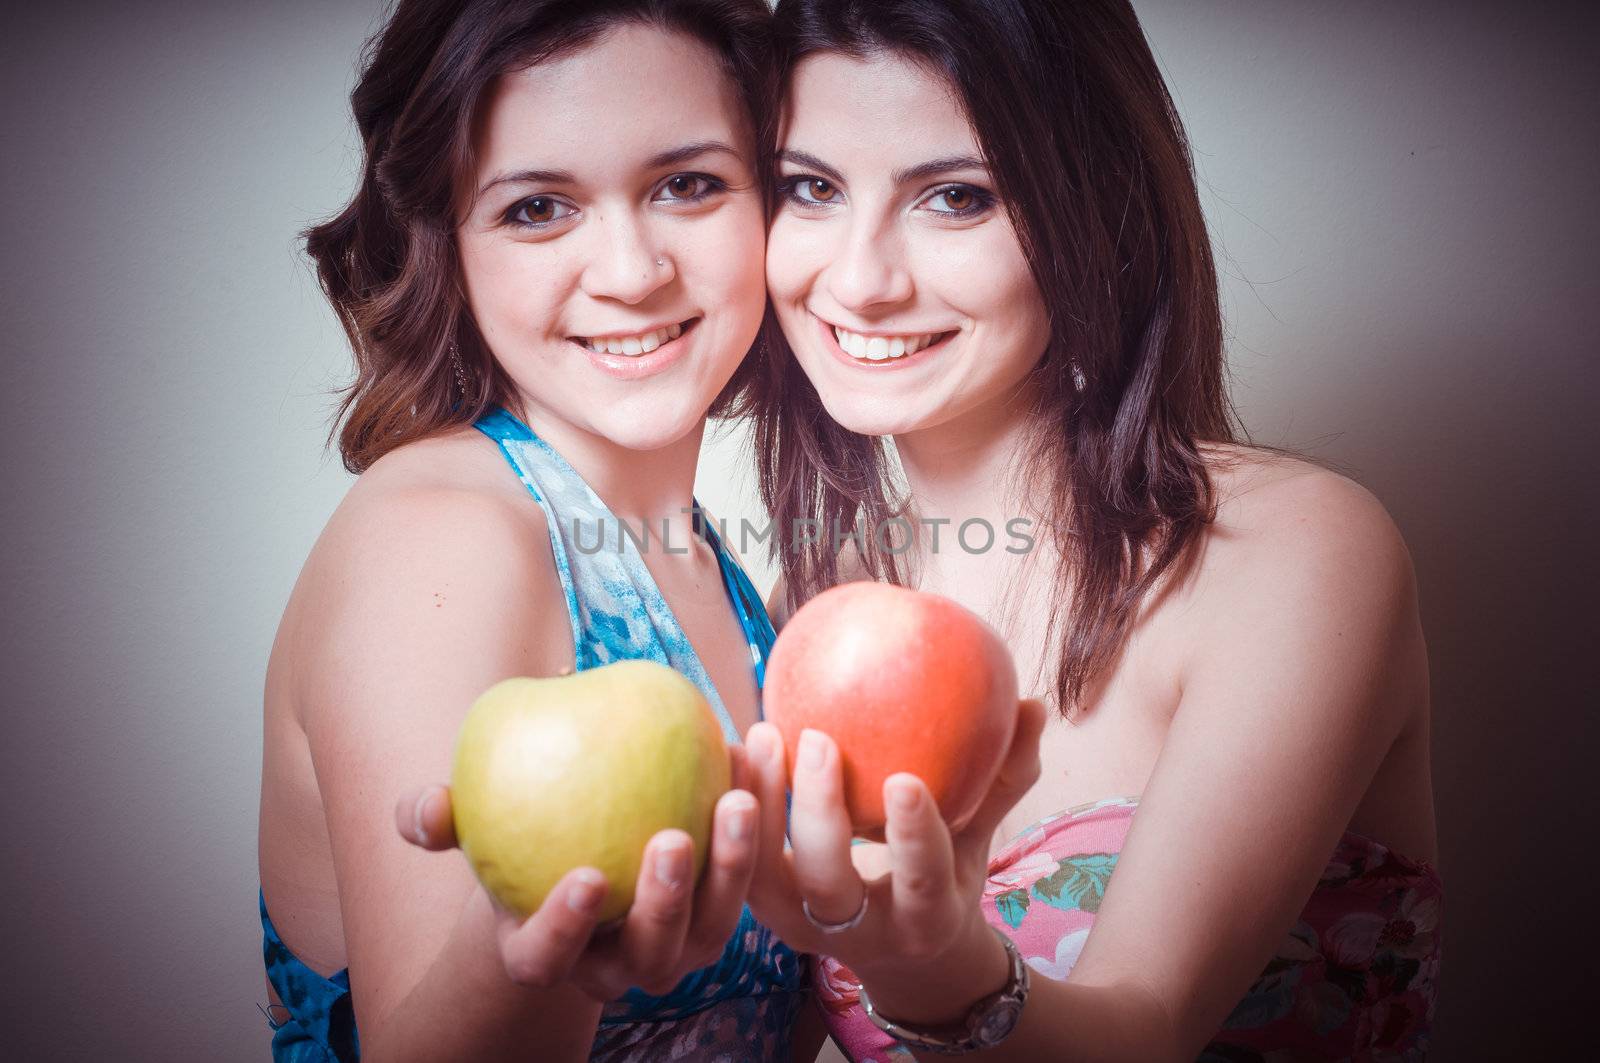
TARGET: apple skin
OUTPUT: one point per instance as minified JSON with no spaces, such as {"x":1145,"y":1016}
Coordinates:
{"x":581,"y":770}
{"x":901,"y":680}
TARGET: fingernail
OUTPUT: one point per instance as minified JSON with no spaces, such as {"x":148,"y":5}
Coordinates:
{"x":672,"y":865}
{"x":740,"y":814}
{"x":586,"y":889}
{"x":812,"y":750}
{"x":904,"y":795}
{"x":418,"y":816}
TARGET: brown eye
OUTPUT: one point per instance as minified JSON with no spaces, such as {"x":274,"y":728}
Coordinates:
{"x":957,"y":198}
{"x":538,"y":212}
{"x":681,"y":187}
{"x":821,"y":191}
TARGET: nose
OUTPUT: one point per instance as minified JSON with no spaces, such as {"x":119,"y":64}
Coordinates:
{"x":869,"y":271}
{"x":627,"y":265}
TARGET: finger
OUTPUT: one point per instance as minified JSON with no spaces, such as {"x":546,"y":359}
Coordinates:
{"x":1018,"y":772}
{"x":774,"y":897}
{"x":764,"y":758}
{"x":425,"y":819}
{"x":657,"y":924}
{"x":923,"y":880}
{"x":719,"y":899}
{"x":540,"y":951}
{"x":820,"y":831}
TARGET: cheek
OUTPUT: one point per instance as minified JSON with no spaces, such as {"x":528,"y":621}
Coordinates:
{"x":990,"y":283}
{"x":793,"y":249}
{"x":509,"y":289}
{"x":726,"y":254}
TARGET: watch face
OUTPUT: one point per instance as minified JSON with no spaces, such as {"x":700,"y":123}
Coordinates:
{"x":998,"y":1023}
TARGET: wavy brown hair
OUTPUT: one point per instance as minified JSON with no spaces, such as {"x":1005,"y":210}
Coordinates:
{"x":388,"y":261}
{"x":1090,"y":158}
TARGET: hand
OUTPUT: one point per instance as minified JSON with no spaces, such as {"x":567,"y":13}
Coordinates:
{"x":927,"y":906}
{"x":673,"y":927}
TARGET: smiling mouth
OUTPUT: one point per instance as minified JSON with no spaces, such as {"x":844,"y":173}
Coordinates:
{"x":633,"y":345}
{"x":885,"y":348}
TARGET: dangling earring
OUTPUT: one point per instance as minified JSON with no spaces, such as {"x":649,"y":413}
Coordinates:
{"x":1078,"y":379}
{"x":461,"y":370}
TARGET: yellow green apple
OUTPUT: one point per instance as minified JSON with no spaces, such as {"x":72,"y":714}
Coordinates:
{"x":580,"y":771}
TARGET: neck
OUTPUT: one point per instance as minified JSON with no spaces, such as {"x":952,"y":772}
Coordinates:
{"x":651,"y":486}
{"x":973,"y":467}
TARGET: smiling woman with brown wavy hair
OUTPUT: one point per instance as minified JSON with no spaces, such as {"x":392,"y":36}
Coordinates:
{"x":550,"y":272}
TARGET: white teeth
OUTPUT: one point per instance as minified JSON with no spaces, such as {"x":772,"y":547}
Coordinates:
{"x":632,"y":346}
{"x":881,"y":348}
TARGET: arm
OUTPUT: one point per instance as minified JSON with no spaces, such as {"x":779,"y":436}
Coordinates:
{"x":1311,"y":661}
{"x":1312,"y":664}
{"x":424,"y":599}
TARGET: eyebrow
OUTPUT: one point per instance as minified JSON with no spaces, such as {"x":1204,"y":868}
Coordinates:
{"x":919,"y":172}
{"x":671,"y":157}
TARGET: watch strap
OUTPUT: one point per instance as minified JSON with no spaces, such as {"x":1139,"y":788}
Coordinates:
{"x":988,"y":1022}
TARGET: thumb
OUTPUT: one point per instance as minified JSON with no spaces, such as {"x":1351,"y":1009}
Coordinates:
{"x":424,"y":817}
{"x":1018,"y":772}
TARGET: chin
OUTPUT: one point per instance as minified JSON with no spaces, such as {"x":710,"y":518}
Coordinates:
{"x":645,"y":430}
{"x":873,"y":415}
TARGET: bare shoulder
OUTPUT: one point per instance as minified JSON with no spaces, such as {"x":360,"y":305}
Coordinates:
{"x":1287,"y":513}
{"x":1300,"y":552}
{"x":433,"y":542}
{"x":452,"y":490}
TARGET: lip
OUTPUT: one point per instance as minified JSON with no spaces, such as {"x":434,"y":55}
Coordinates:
{"x":886,"y":365}
{"x":639,"y":366}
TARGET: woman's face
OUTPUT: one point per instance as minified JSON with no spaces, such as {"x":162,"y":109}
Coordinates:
{"x":894,"y":269}
{"x":611,"y":250}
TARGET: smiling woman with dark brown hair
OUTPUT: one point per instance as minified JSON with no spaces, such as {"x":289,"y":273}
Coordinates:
{"x":989,"y":249}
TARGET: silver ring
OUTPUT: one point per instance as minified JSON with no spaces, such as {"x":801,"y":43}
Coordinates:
{"x":836,"y":928}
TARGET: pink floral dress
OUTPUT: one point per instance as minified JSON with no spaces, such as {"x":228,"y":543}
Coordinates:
{"x":1354,"y":979}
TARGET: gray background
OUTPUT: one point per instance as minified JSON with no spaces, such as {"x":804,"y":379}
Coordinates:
{"x":1400,"y":195}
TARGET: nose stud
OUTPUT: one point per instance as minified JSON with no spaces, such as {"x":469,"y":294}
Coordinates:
{"x":661,"y":262}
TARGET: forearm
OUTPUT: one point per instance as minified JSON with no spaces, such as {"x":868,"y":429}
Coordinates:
{"x":1085,"y":1024}
{"x":465,"y":1007}
{"x":1063,"y":1021}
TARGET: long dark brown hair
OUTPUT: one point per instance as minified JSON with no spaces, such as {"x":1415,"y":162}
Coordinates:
{"x":1090,"y":158}
{"x":388,"y":261}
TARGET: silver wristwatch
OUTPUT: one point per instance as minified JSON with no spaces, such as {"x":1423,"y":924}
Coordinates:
{"x":990,"y":1021}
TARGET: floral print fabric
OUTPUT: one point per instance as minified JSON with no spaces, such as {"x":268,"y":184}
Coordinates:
{"x":1355,"y":978}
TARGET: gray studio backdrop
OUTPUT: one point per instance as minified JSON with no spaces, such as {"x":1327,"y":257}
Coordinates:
{"x":1401,"y":198}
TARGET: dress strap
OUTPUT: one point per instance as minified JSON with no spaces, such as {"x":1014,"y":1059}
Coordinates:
{"x":616,"y":609}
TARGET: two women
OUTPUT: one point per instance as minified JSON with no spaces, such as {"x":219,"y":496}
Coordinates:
{"x":987,"y":246}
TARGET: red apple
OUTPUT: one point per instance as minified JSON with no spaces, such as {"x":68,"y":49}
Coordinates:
{"x":903,"y":681}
